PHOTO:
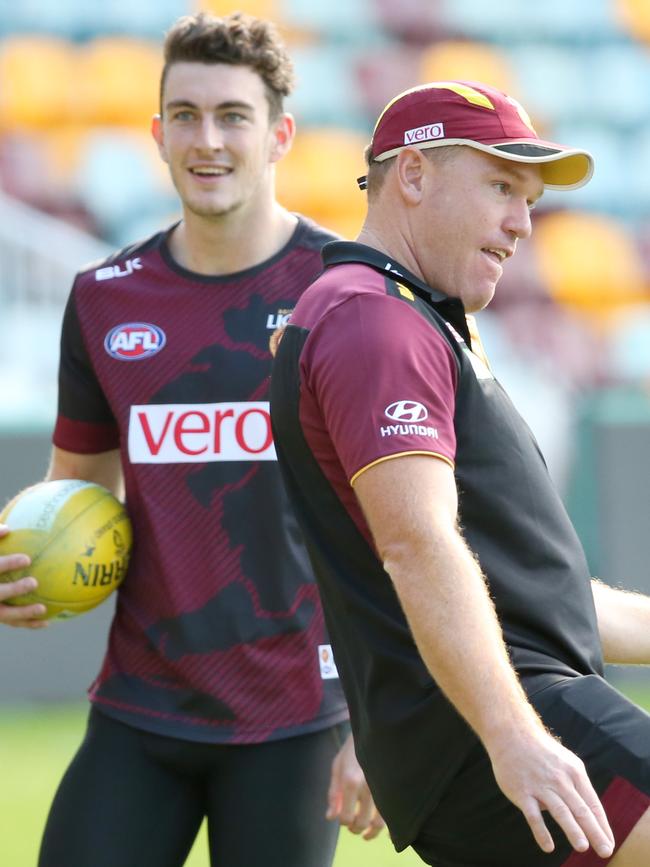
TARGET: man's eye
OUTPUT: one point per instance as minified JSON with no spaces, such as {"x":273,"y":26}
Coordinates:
{"x":234,"y":117}
{"x":183,"y":115}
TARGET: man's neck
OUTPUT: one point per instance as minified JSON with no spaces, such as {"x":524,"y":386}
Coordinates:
{"x":231,"y":243}
{"x":396,"y":248}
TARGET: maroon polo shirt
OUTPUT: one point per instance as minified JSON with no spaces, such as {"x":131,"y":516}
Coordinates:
{"x":374,"y":364}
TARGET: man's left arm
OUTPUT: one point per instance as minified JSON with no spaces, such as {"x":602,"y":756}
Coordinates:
{"x":623,"y":623}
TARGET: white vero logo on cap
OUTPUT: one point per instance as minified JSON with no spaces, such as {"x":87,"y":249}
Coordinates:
{"x":406,"y":410}
{"x":424,"y":133}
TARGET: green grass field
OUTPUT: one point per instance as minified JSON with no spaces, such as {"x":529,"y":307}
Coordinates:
{"x":36,"y":745}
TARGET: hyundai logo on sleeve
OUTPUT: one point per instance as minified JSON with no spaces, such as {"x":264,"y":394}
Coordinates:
{"x":408,"y":414}
{"x":406,"y":410}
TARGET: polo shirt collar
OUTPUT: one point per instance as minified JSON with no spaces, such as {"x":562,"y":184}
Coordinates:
{"x":350,"y":252}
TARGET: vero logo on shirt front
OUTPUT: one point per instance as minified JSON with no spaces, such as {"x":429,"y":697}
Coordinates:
{"x":200,"y":433}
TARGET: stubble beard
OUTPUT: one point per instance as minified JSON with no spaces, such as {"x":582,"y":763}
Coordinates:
{"x":207,"y":210}
{"x":214,"y":212}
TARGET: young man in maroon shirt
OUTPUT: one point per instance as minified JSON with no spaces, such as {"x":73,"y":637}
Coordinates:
{"x":217,"y":697}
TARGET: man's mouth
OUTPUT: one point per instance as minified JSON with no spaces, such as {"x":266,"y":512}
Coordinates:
{"x":499,"y":254}
{"x":210,"y":171}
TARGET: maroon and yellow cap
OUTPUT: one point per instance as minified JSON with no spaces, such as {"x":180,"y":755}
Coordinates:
{"x":469,"y":113}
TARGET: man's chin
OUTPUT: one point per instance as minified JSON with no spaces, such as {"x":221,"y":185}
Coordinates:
{"x":211,"y":211}
{"x":479,"y":300}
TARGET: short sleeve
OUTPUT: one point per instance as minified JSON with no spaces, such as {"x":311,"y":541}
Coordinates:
{"x":383,"y":380}
{"x":85,"y":422}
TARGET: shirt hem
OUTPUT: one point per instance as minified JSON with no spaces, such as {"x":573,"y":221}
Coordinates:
{"x":203,"y":732}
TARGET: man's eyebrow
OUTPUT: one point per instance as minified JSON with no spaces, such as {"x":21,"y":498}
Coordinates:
{"x":520,"y":175}
{"x":188,"y":103}
{"x":236,"y":103}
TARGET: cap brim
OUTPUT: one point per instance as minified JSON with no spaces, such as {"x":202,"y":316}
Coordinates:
{"x":562,"y":168}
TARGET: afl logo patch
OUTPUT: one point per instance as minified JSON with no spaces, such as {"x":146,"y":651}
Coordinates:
{"x":134,"y":341}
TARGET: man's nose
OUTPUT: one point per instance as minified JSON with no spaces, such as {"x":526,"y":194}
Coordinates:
{"x":518,"y":221}
{"x":210,"y":135}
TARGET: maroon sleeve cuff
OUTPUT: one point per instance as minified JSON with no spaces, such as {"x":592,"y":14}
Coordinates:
{"x":83,"y":437}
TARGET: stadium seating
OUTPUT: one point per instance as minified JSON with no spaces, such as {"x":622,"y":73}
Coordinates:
{"x":318,"y":178}
{"x":471,"y":61}
{"x":269,"y":9}
{"x":619,"y":83}
{"x":604,"y":190}
{"x":80,"y":20}
{"x":46,"y":82}
{"x":328,"y":72}
{"x":381,"y":73}
{"x":552,"y":80}
{"x":61,"y":151}
{"x":79,"y":82}
{"x":121,"y":180}
{"x":118,"y":81}
{"x":628,"y":346}
{"x":37,"y":82}
{"x":634,"y":16}
{"x":416,"y":22}
{"x":590,"y":264}
{"x":577,"y":21}
{"x":129,"y":18}
{"x":575,"y":66}
{"x":348,"y":22}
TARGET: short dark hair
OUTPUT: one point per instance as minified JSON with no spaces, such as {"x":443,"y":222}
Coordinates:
{"x":377,"y":171}
{"x":237,"y":39}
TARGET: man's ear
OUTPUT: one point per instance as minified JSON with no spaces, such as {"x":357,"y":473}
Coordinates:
{"x":410,"y":169}
{"x":283,"y":131}
{"x":157,"y":133}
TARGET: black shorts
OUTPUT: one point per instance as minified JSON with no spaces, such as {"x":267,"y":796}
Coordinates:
{"x":476,"y":826}
{"x":135,"y":799}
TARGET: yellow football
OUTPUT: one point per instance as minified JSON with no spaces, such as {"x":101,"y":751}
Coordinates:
{"x":79,"y":538}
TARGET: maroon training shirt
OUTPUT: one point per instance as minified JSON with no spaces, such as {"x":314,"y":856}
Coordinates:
{"x":219,"y":633}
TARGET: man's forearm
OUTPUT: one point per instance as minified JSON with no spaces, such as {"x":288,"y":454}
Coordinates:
{"x":456,"y":629}
{"x":623,"y":623}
